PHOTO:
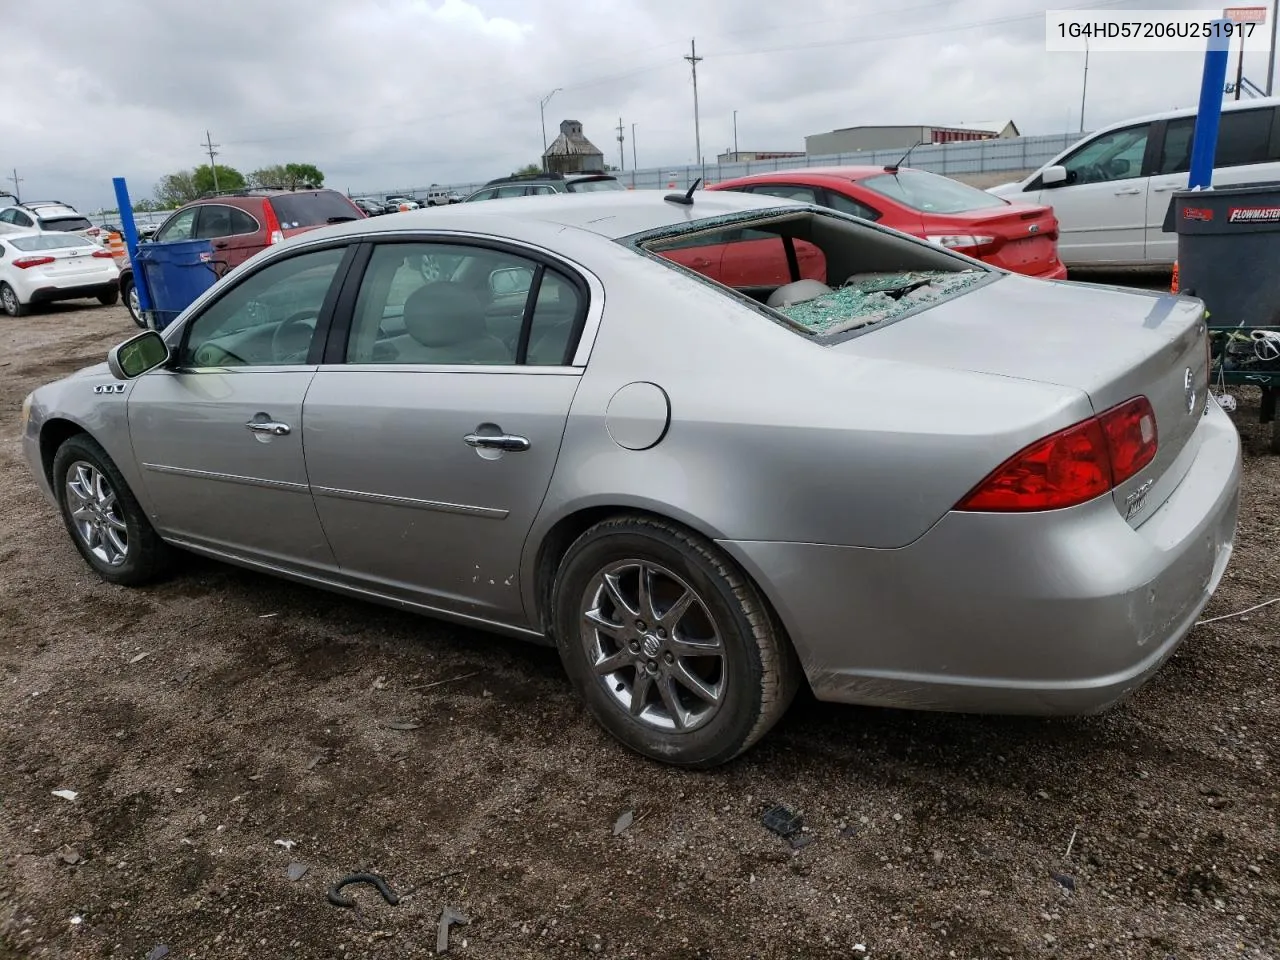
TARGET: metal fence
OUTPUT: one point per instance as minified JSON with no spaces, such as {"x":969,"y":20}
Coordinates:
{"x":950,"y":159}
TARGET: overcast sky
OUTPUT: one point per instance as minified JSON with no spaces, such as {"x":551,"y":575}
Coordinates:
{"x":386,"y":94}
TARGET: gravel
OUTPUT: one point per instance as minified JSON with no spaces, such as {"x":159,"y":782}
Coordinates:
{"x":1148,"y":832}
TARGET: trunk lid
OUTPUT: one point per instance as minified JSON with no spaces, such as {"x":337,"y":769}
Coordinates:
{"x":1111,"y":343}
{"x":1026,"y":237}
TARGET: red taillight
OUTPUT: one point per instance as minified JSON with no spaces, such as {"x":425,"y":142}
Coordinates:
{"x":102,"y":254}
{"x":272,"y":224}
{"x":1073,"y":465}
{"x":1131,"y":437}
{"x":23,"y":262}
{"x":966,"y":243}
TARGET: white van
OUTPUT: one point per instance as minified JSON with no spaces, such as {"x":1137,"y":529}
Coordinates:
{"x":1110,"y":191}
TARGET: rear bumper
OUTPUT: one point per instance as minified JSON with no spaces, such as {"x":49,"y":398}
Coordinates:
{"x":50,"y":294}
{"x":1065,"y":612}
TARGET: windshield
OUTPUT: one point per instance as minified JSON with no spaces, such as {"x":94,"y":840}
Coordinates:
{"x":592,"y":186}
{"x":295,"y":210}
{"x":65,"y":224}
{"x":930,"y":193}
{"x":51,"y":242}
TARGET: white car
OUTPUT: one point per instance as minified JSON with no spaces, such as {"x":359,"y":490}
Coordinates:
{"x":43,"y":267}
{"x":1111,"y":190}
{"x":46,"y":216}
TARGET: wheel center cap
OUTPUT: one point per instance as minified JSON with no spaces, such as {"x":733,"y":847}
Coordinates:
{"x":651,"y":646}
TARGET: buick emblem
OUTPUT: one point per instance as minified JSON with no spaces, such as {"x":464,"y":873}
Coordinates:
{"x":1189,"y":388}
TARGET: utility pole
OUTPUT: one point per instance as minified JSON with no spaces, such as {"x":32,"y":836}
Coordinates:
{"x":542,"y":112}
{"x":634,"y":165}
{"x":15,"y":180}
{"x":1271,"y":57}
{"x":694,"y":60}
{"x":735,"y":136}
{"x":622,"y":157}
{"x":209,"y":145}
{"x":1084,"y":89}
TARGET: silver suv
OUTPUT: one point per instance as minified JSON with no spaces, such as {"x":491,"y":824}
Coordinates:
{"x":533,"y":184}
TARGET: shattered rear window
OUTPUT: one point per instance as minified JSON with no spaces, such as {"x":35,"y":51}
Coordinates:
{"x":875,"y":298}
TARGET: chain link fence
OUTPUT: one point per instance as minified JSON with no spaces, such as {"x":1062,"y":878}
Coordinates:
{"x":965,"y":159}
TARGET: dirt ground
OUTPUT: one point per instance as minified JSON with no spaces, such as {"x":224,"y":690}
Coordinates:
{"x":221,"y":726}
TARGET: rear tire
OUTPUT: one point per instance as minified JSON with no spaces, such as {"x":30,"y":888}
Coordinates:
{"x":12,"y":305}
{"x":102,"y":516}
{"x":110,"y":299}
{"x":693,"y":669}
{"x":1275,"y":435}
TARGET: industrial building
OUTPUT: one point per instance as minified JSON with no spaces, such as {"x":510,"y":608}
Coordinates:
{"x":854,"y":139}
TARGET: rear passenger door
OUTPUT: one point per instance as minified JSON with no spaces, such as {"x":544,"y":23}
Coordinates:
{"x":754,"y":259}
{"x":1248,"y":151}
{"x":434,"y":424}
{"x":235,"y":234}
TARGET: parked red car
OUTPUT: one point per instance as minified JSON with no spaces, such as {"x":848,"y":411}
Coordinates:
{"x":1018,"y":237}
{"x":242,"y":223}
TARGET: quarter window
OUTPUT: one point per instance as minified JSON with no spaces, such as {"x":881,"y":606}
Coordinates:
{"x":1111,"y":156}
{"x":838,"y":201}
{"x":1244,"y":137}
{"x":268,"y":319}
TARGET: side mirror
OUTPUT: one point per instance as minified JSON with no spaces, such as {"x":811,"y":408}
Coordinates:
{"x":137,"y":355}
{"x":1054,"y":176}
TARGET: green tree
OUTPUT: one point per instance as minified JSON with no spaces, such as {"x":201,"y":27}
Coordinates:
{"x":528,"y":169}
{"x":175,"y":189}
{"x":291,"y":176}
{"x":229,"y":178}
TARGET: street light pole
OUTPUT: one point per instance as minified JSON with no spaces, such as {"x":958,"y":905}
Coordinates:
{"x":542,"y":113}
{"x":735,"y":136}
{"x":1084,"y":89}
{"x":634,"y":164}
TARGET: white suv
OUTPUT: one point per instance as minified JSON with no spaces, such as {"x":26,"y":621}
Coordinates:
{"x":46,"y":216}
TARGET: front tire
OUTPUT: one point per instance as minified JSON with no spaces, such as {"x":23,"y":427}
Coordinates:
{"x":670,"y":646}
{"x":129,"y":290}
{"x":109,"y":299}
{"x":10,"y":302}
{"x":104,"y":519}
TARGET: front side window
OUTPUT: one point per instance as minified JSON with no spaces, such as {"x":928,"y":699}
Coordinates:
{"x":180,"y":227}
{"x":428,"y":303}
{"x":8,"y":216}
{"x":268,"y":319}
{"x":1111,"y":156}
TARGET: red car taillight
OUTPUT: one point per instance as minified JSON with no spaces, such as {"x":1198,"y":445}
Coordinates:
{"x":272,"y":224}
{"x":1071,"y":466}
{"x":972,"y":244}
{"x":22,"y":263}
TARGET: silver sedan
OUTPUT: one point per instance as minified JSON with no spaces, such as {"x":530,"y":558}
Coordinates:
{"x":711,"y":446}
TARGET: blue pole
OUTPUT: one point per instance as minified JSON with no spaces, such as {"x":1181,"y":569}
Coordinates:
{"x":1205,"y":144}
{"x":131,"y":242}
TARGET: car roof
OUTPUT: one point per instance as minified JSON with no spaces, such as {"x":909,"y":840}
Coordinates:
{"x":798,"y":174}
{"x":611,"y":214}
{"x":1227,"y":107}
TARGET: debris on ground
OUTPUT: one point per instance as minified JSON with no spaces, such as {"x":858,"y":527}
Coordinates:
{"x":158,"y":952}
{"x":785,"y":823}
{"x":1065,"y":880}
{"x":297,"y":871}
{"x":338,"y":900}
{"x":140,"y":657}
{"x":68,"y":855}
{"x":66,"y":794}
{"x":624,"y":822}
{"x":287,"y":844}
{"x":448,"y":917}
{"x":402,"y":725}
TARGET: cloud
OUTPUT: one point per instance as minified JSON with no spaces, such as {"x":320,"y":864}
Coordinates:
{"x":385,"y":95}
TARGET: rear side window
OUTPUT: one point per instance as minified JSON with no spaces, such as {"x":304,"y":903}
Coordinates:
{"x":1244,"y":137}
{"x":66,"y":224}
{"x":838,"y":201}
{"x":312,"y":209}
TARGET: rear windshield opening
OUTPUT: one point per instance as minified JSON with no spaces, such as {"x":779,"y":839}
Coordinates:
{"x":823,"y":274}
{"x":313,"y":209}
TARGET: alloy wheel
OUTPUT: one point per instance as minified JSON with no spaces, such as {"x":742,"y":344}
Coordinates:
{"x":10,"y":301}
{"x":95,"y":513}
{"x":654,"y":645}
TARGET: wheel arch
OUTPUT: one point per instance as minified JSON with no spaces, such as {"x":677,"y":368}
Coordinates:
{"x":555,"y":543}
{"x":53,"y":434}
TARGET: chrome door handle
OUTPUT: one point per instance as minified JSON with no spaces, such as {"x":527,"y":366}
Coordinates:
{"x":1128,"y":193}
{"x":1164,"y":189}
{"x":269,"y":427}
{"x":503,"y":441}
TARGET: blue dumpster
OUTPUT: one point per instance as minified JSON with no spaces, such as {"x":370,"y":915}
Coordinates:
{"x":176,"y":274}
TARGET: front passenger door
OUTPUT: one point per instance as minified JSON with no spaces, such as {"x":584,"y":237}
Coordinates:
{"x":218,"y":435}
